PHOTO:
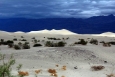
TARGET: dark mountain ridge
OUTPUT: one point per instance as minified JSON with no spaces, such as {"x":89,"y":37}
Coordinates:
{"x":92,"y":25}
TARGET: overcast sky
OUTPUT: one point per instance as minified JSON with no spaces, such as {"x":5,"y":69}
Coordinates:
{"x":55,"y":8}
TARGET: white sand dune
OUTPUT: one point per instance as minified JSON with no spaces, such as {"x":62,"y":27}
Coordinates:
{"x":56,"y":32}
{"x":53,"y":31}
{"x":107,"y":34}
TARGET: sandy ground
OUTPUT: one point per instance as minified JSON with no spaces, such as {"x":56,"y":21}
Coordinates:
{"x":44,"y":58}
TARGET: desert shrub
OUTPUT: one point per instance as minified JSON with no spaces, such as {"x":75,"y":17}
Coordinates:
{"x":112,"y":43}
{"x":106,"y":44}
{"x":102,"y":42}
{"x":4,"y":43}
{"x":33,"y":38}
{"x":15,"y":39}
{"x":26,"y":46}
{"x":53,"y":38}
{"x":48,"y":44}
{"x":17,"y":47}
{"x":52,"y":44}
{"x":10,"y":45}
{"x":76,"y":43}
{"x":83,"y":42}
{"x":35,"y":41}
{"x":23,"y":40}
{"x":22,"y":36}
{"x":94,"y":41}
{"x":37,"y":45}
{"x":10,"y":42}
{"x":38,"y":40}
{"x":26,"y":43}
{"x":6,"y":66}
{"x":2,"y":40}
{"x":61,"y":44}
{"x":20,"y":44}
{"x":67,"y":38}
{"x":97,"y":68}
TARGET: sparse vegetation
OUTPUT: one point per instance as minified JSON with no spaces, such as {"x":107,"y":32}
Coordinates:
{"x":23,"y":40}
{"x":22,"y":36}
{"x":112,"y":43}
{"x":2,"y":42}
{"x":52,"y":72}
{"x":6,"y":67}
{"x":61,"y":44}
{"x":37,"y":45}
{"x":52,"y":44}
{"x":53,"y":38}
{"x":97,"y":68}
{"x":82,"y":42}
{"x":33,"y":38}
{"x":64,"y":68}
{"x":25,"y":46}
{"x":15,"y":39}
{"x":94,"y":41}
{"x":22,"y":73}
{"x":17,"y":47}
{"x":106,"y":44}
{"x":37,"y":71}
{"x":10,"y":45}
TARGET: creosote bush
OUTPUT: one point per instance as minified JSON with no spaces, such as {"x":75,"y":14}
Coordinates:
{"x":25,"y":46}
{"x":6,"y":67}
{"x":17,"y":47}
{"x":112,"y":43}
{"x":82,"y":42}
{"x":106,"y":44}
{"x":10,"y":45}
{"x":23,"y":40}
{"x":2,"y":42}
{"x":52,"y":44}
{"x":37,"y":45}
{"x":15,"y":39}
{"x":94,"y":41}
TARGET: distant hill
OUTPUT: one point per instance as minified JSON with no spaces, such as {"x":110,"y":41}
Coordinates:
{"x":96,"y":24}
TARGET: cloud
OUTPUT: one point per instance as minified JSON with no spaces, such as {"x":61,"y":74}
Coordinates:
{"x":55,"y":8}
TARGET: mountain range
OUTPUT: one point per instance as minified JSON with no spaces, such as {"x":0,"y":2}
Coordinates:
{"x":92,"y":25}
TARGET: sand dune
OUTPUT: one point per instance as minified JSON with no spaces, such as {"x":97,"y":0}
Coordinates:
{"x":72,"y":61}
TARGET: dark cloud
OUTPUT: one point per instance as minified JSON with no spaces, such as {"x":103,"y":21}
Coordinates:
{"x":55,"y":8}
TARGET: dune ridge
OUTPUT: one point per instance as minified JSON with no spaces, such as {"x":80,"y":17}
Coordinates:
{"x":56,"y":32}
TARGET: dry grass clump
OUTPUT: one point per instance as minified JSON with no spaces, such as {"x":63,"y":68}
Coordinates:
{"x":52,"y":72}
{"x":97,"y":68}
{"x":37,"y":71}
{"x":64,"y":68}
{"x":111,"y":75}
{"x":106,"y":44}
{"x":62,"y":76}
{"x":22,"y":73}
